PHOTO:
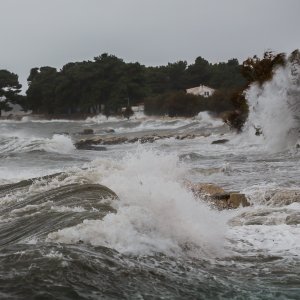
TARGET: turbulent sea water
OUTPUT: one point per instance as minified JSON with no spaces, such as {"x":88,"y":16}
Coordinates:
{"x":65,"y":235}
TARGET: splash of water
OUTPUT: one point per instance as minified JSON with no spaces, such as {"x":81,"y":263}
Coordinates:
{"x":274,"y":108}
{"x":156,"y":213}
{"x":208,"y":120}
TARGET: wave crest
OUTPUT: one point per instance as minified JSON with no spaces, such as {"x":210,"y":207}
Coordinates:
{"x":57,"y":144}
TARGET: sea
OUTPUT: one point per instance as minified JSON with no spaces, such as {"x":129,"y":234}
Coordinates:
{"x":121,"y":222}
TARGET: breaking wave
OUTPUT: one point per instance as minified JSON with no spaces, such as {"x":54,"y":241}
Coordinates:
{"x":206,"y":119}
{"x":274,"y":108}
{"x":58,"y":144}
{"x":155,"y":212}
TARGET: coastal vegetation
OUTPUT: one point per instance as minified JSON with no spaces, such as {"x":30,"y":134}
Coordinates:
{"x":9,"y":90}
{"x":108,"y":83}
{"x":254,"y":70}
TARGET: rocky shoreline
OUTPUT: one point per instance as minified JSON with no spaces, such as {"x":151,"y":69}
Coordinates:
{"x":89,"y":139}
{"x":89,"y":142}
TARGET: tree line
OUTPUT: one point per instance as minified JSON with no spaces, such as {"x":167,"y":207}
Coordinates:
{"x":107,"y":83}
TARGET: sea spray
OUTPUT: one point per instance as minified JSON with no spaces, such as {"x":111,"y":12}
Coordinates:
{"x":208,"y":120}
{"x":155,"y":213}
{"x":22,"y":143}
{"x":274,"y":108}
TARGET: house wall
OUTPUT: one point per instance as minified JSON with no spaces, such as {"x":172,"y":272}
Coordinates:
{"x":201,"y":90}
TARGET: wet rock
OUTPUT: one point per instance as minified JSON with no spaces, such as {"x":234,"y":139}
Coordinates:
{"x":205,"y":134}
{"x":222,"y":141}
{"x":293,"y":219}
{"x":217,"y":196}
{"x":133,"y":140}
{"x":109,"y":130}
{"x":237,"y":199}
{"x":207,"y":188}
{"x":114,"y":140}
{"x":91,"y":147}
{"x":285,"y":197}
{"x":212,"y":193}
{"x":88,"y":131}
{"x":148,"y":139}
{"x":83,"y":144}
{"x":185,"y":136}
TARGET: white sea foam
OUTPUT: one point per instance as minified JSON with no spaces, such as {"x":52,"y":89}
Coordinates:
{"x":59,"y":143}
{"x":207,"y":120}
{"x":27,"y":119}
{"x":203,"y":119}
{"x":282,"y":240}
{"x":154,"y":124}
{"x":78,"y":209}
{"x":99,"y":119}
{"x":155,"y":212}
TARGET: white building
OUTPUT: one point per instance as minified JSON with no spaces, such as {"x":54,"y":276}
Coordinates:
{"x":201,"y":90}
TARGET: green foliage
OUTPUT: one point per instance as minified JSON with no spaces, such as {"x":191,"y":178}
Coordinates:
{"x":219,"y":102}
{"x":173,"y":104}
{"x":180,"y":104}
{"x":262,"y":70}
{"x":254,"y":70}
{"x":84,"y":87}
{"x":9,"y":90}
{"x":128,"y":112}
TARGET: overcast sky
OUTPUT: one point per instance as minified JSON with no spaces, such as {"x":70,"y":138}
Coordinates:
{"x":37,"y":33}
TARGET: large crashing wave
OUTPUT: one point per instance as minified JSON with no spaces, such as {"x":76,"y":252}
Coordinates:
{"x":274,"y":107}
{"x":155,"y":212}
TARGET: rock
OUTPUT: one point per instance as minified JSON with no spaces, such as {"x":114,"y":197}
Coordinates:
{"x":217,"y":196}
{"x":85,"y":143}
{"x":222,"y":141}
{"x":109,"y":130}
{"x":91,"y":147}
{"x":207,"y":188}
{"x":88,"y":131}
{"x":236,"y":200}
{"x":133,"y":140}
{"x":212,"y":193}
{"x":114,"y":140}
{"x":293,"y":219}
{"x":147,"y":139}
{"x":285,"y":197}
{"x":185,"y":136}
{"x":205,"y":134}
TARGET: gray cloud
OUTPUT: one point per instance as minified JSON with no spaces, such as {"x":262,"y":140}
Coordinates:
{"x":153,"y":32}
